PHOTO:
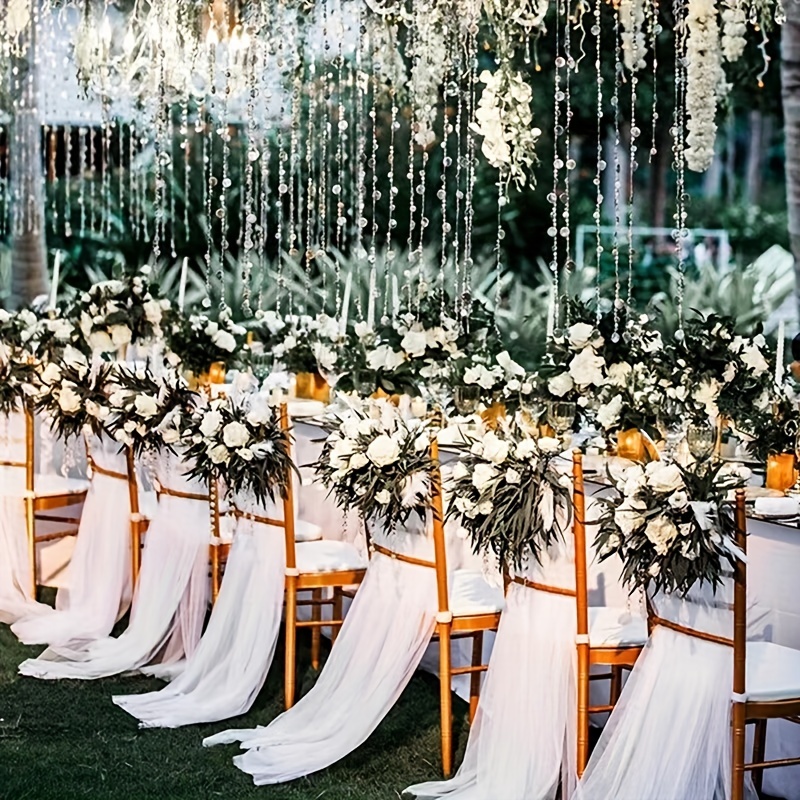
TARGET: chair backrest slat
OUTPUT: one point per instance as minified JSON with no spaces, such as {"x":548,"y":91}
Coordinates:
{"x":740,"y":598}
{"x":439,"y":544}
{"x":30,"y":448}
{"x":288,"y":501}
{"x":579,"y":531}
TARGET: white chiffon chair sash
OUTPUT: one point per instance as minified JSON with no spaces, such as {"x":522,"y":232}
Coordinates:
{"x":669,"y":735}
{"x":171,"y":595}
{"x":227,"y":670}
{"x":98,"y":582}
{"x":380,"y":645}
{"x":522,"y":742}
{"x":15,"y":563}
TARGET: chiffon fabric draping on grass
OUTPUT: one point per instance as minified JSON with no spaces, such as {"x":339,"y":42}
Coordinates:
{"x":15,"y":561}
{"x":384,"y":636}
{"x":670,"y":734}
{"x":171,"y":596}
{"x":98,"y":583}
{"x":227,"y":670}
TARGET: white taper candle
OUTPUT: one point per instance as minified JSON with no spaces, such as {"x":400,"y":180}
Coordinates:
{"x":54,"y":282}
{"x":182,"y":288}
{"x":780,"y":354}
{"x":348,"y":287}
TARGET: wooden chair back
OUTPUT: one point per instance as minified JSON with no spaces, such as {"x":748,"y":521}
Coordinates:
{"x":579,"y":532}
{"x":439,"y":542}
{"x":288,"y":501}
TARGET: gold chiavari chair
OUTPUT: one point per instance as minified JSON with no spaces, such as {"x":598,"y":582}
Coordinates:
{"x":318,"y":566}
{"x":43,"y":495}
{"x":766,"y":680}
{"x":619,"y":654}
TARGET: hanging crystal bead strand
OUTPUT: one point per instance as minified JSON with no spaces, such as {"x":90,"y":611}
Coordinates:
{"x":600,"y":164}
{"x":617,"y":176}
{"x":679,"y":158}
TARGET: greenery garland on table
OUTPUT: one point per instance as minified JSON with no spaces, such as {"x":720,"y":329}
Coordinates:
{"x":511,"y":494}
{"x":148,"y":409}
{"x":671,"y":525}
{"x":379,"y":464}
{"x":74,"y":394}
{"x":241,"y":443}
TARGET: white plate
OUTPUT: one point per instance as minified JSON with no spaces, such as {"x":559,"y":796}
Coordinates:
{"x":303,"y":409}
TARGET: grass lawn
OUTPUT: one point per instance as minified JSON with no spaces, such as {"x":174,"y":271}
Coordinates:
{"x":61,"y":740}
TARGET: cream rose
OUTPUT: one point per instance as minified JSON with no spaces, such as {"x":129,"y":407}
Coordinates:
{"x":146,"y":406}
{"x":559,"y":385}
{"x":663,"y":477}
{"x":494,"y":448}
{"x":234,"y":434}
{"x":661,"y":531}
{"x":415,"y":343}
{"x":219,"y":454}
{"x":224,"y":340}
{"x":383,"y":451}
{"x":580,"y":334}
{"x":383,"y":497}
{"x":211,"y":423}
{"x":69,"y":400}
{"x":483,"y":475}
{"x":586,"y":369}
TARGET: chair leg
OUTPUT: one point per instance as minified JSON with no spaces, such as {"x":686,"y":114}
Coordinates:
{"x":616,"y":685}
{"x":738,"y":732}
{"x":30,"y":530}
{"x":316,"y":631}
{"x":475,"y":677}
{"x":338,"y":610}
{"x":759,"y":753}
{"x":136,"y":551}
{"x":446,"y":698}
{"x":582,"y":754}
{"x":290,"y":665}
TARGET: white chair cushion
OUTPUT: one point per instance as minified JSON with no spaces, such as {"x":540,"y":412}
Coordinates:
{"x":616,"y":627}
{"x":470,"y":594}
{"x":52,"y":485}
{"x":306,"y":531}
{"x":773,"y":672}
{"x":327,"y":555}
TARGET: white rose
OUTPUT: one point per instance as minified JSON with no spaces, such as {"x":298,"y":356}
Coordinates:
{"x":495,"y":449}
{"x":483,"y":475}
{"x":549,"y":444}
{"x":224,"y":341}
{"x":170,"y":435}
{"x":100,"y":341}
{"x":152,"y":311}
{"x":95,"y":410}
{"x":628,"y":516}
{"x":383,"y":451}
{"x":706,"y":394}
{"x":485,"y":508}
{"x":661,"y":531}
{"x":586,"y":368}
{"x":120,"y":335}
{"x":422,"y":442}
{"x":210,"y":424}
{"x":559,"y":385}
{"x":754,"y":359}
{"x":663,"y":477}
{"x":68,"y":399}
{"x":608,"y":414}
{"x":580,"y":334}
{"x":678,"y":500}
{"x":219,"y":454}
{"x":525,"y":449}
{"x":245,"y":454}
{"x":51,"y":374}
{"x":383,"y":497}
{"x":326,"y":357}
{"x":234,"y":434}
{"x":512,"y":476}
{"x":146,"y":406}
{"x":358,"y":461}
{"x":385,"y":358}
{"x":618,"y":374}
{"x":460,"y":471}
{"x":415,"y":343}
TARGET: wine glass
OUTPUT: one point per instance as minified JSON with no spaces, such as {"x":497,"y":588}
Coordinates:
{"x":561,"y":416}
{"x":467,"y":399}
{"x":701,"y":438}
{"x":672,"y":424}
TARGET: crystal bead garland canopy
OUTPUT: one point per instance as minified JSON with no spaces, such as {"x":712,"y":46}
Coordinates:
{"x":313,"y":143}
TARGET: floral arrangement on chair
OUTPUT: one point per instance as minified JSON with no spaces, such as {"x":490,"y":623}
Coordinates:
{"x":74,"y":394}
{"x":241,"y":443}
{"x":507,"y":492}
{"x":379,"y":464}
{"x":148,"y":409}
{"x":18,"y":364}
{"x":199,"y":341}
{"x":115,"y":313}
{"x":669,"y":525}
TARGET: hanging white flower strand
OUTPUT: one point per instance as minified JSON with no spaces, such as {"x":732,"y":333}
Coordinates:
{"x":705,"y":82}
{"x":734,"y":28}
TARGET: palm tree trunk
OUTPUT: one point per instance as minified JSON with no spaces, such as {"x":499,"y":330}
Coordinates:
{"x":29,"y":251}
{"x":790,"y":80}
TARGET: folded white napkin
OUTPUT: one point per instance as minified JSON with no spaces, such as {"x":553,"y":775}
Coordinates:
{"x":778,"y":506}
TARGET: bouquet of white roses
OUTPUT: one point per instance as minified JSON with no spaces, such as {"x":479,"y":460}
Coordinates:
{"x":512,"y":494}
{"x":18,"y":364}
{"x":241,"y":443}
{"x":309,"y":344}
{"x":74,"y":394}
{"x":379,"y":464}
{"x":496,"y":377}
{"x":199,"y":341}
{"x":148,"y":409}
{"x":669,"y":526}
{"x":115,"y":313}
